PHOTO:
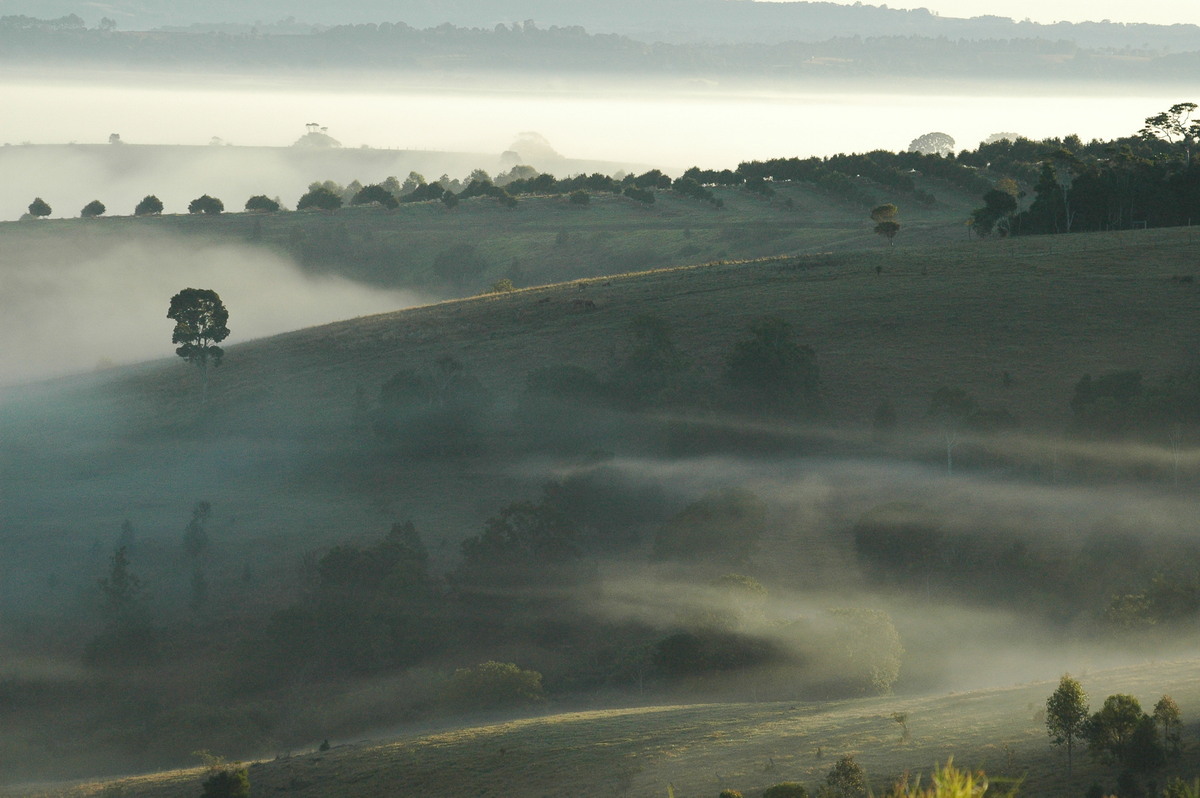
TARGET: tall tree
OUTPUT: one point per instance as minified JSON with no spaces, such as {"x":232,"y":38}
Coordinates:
{"x":200,"y":324}
{"x":1066,"y":715}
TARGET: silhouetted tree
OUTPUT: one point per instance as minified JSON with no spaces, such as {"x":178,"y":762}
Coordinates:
{"x":150,"y":205}
{"x":932,"y":144}
{"x":93,"y":209}
{"x":38,"y":208}
{"x":261,"y":203}
{"x":200,"y":324}
{"x":886,"y":218}
{"x":375,"y":195}
{"x":206,"y":204}
{"x":321,"y":198}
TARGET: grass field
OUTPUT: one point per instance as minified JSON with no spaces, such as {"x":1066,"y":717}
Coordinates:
{"x":276,"y":451}
{"x":699,"y":750}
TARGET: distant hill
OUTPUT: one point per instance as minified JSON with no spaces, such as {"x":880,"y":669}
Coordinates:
{"x":677,"y":21}
{"x":784,"y":50}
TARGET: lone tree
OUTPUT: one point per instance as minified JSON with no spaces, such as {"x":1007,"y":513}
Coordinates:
{"x":935,"y":143}
{"x":206,"y":204}
{"x":93,"y":209}
{"x":886,"y":218}
{"x":1066,"y":715}
{"x":39,"y":208}
{"x":200,"y":318}
{"x":261,"y":203}
{"x":149,"y":206}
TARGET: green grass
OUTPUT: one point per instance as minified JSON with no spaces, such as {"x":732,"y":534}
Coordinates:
{"x":542,"y":240}
{"x":275,"y":453}
{"x":700,"y":749}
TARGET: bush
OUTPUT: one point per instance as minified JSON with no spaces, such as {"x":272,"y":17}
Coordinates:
{"x":493,"y":685}
{"x":580,"y":197}
{"x":786,"y":789}
{"x":39,"y":207}
{"x":227,"y":784}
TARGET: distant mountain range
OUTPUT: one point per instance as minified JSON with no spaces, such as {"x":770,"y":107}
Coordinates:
{"x":670,"y":21}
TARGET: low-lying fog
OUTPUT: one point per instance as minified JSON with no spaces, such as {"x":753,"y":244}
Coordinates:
{"x":671,"y":126}
{"x":84,"y":301}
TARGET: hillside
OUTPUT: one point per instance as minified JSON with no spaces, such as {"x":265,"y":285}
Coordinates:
{"x":287,"y":455}
{"x":697,"y":750}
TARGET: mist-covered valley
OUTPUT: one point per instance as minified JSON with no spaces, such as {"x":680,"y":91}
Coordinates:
{"x":685,"y":393}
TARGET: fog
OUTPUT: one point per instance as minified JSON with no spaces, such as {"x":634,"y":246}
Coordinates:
{"x":79,"y":301}
{"x":667,"y":125}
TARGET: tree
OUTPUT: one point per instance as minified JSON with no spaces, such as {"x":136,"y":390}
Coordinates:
{"x":93,"y":209}
{"x":847,"y":779}
{"x":206,"y":204}
{"x":1166,"y":714}
{"x":321,"y":198}
{"x":375,"y":194}
{"x":1174,"y":126}
{"x":773,"y":371}
{"x":39,"y":208}
{"x":149,"y":206}
{"x":932,"y":144}
{"x":998,"y":208}
{"x":491,"y":685}
{"x":1066,"y":715}
{"x":200,"y":324}
{"x":1110,"y":731}
{"x":261,"y":203}
{"x":887,"y":224}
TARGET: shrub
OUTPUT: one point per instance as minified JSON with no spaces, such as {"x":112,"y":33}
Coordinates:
{"x":493,"y":685}
{"x":786,"y":789}
{"x":227,"y":784}
{"x":39,"y":208}
{"x":580,"y":197}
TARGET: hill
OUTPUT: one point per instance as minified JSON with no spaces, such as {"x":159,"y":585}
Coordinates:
{"x":292,"y":456}
{"x":698,"y":750}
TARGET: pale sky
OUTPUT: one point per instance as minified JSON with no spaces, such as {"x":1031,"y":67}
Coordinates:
{"x":1161,"y":12}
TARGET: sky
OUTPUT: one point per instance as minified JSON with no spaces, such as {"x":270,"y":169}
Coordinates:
{"x":1161,"y":12}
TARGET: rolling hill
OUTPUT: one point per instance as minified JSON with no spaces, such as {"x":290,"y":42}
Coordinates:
{"x":697,"y":750}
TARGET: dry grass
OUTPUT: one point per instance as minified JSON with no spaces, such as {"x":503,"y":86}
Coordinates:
{"x":699,"y":749}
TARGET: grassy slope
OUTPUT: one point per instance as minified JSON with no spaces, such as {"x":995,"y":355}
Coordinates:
{"x":1046,"y":310}
{"x":542,"y":240}
{"x":699,"y":749}
{"x":272,"y":449}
